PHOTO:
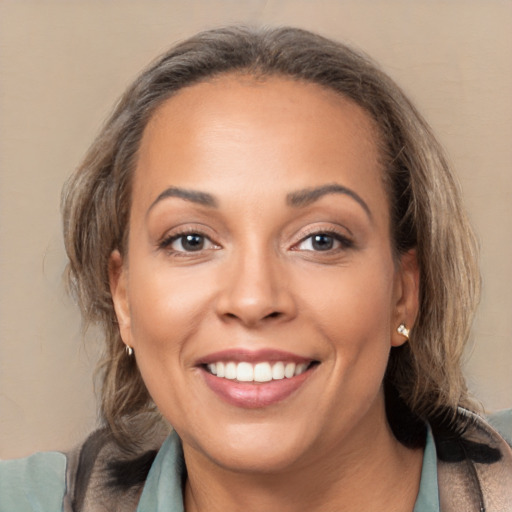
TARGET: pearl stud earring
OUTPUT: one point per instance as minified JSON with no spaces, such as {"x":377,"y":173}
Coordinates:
{"x":401,"y":329}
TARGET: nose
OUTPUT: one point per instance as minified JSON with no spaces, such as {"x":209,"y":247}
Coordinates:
{"x":255,"y":290}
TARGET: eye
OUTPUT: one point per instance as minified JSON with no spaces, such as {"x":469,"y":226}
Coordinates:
{"x":188,"y":242}
{"x":324,"y":242}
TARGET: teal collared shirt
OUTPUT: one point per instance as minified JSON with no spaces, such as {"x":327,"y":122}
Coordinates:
{"x":37,"y":483}
{"x":428,"y":495}
{"x":162,"y":492}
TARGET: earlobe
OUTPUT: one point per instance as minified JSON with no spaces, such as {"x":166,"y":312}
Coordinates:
{"x":118,"y":289}
{"x":407,"y":303}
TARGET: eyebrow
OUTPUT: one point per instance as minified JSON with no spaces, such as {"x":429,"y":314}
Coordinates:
{"x":304,"y":197}
{"x":297,"y":199}
{"x":194,"y":196}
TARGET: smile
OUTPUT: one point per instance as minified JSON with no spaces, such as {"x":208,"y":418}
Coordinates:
{"x":256,"y":379}
{"x":259,"y":372}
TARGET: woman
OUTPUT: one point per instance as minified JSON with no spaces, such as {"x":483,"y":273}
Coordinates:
{"x":271,"y":239}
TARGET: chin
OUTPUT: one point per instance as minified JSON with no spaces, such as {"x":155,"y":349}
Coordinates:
{"x":257,"y":448}
{"x":259,"y":458}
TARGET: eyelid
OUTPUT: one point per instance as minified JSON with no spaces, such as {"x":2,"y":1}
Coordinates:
{"x":181,"y":231}
{"x":175,"y":238}
{"x":343,"y":242}
{"x":342,"y":235}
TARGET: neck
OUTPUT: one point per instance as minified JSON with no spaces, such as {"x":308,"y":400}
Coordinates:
{"x":384,"y":475}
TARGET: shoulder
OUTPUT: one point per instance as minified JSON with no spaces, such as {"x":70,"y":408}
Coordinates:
{"x":37,"y":482}
{"x":474,"y":464}
{"x":502,"y":422}
{"x":103,"y":475}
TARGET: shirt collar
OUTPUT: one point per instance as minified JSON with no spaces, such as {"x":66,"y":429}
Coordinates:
{"x":163,"y":489}
{"x":428,"y":495}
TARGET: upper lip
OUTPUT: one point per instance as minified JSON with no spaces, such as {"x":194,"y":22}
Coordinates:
{"x":253,"y":356}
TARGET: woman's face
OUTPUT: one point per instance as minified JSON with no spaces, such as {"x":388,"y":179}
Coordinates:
{"x":259,"y":248}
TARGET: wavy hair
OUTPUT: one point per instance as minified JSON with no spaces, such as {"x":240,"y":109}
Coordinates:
{"x":424,"y":198}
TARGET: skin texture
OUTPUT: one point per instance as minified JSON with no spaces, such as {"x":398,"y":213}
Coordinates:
{"x":259,"y":283}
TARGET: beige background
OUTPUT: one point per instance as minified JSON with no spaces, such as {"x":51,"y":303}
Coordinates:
{"x":63,"y":64}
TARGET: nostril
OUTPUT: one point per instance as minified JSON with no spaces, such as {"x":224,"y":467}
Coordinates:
{"x":250,"y":319}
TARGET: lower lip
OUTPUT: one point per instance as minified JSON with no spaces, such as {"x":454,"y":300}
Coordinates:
{"x":255,"y":395}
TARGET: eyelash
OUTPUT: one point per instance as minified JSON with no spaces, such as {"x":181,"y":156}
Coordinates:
{"x":345,"y":242}
{"x":167,"y":242}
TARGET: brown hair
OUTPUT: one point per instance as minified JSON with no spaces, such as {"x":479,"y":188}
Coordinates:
{"x":426,"y":208}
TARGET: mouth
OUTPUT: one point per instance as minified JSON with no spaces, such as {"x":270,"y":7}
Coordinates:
{"x":256,"y":379}
{"x":265,"y":371}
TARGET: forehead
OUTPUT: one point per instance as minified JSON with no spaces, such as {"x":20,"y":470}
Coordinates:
{"x":293,"y":134}
{"x":261,"y":100}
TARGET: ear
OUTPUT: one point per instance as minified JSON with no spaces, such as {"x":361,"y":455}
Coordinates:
{"x":407,"y":295}
{"x":117,"y":274}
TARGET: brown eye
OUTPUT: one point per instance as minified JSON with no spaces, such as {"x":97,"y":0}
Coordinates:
{"x":192,"y":242}
{"x":189,"y":242}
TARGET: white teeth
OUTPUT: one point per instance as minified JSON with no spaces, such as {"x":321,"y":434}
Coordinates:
{"x":244,"y":372}
{"x":289,"y":370}
{"x":262,"y":372}
{"x":300,"y":368}
{"x":259,"y":372}
{"x":230,"y":371}
{"x":278,"y":371}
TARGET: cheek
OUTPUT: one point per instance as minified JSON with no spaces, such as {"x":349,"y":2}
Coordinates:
{"x":353,"y":308}
{"x":168,"y":307}
{"x":165,"y":306}
{"x":166,"y":310}
{"x":357,"y":298}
